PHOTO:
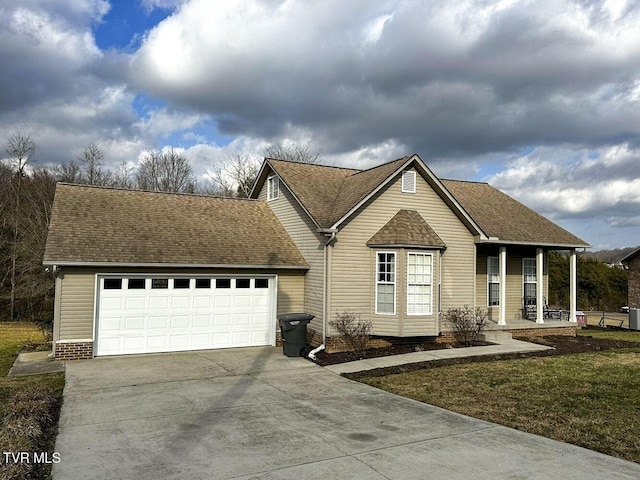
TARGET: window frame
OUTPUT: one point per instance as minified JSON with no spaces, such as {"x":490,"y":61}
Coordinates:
{"x":273,"y":187}
{"x":393,"y":283}
{"x":429,"y":310}
{"x":489,"y":278}
{"x":532,"y":263}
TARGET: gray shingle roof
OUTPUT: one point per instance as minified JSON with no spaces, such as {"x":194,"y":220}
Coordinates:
{"x":407,"y":228}
{"x":501,"y":216}
{"x":329,"y":193}
{"x":96,"y":225}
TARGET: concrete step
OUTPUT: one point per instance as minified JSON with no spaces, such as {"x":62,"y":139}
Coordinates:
{"x":495,"y":336}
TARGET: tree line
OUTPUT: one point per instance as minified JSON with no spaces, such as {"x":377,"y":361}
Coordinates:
{"x":600,"y":287}
{"x":26,"y":197}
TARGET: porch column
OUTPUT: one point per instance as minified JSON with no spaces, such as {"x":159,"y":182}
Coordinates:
{"x":573,"y":285}
{"x":502,"y":319}
{"x":539,"y":286}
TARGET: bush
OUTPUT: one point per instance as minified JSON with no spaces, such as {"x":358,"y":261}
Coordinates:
{"x":466,"y":324}
{"x":354,"y":330}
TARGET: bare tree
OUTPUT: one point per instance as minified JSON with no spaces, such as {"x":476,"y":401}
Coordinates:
{"x":236,"y":176}
{"x":68,"y":172}
{"x":92,"y":161}
{"x":122,"y":177}
{"x":167,"y":171}
{"x":20,"y":147}
{"x":302,"y":153}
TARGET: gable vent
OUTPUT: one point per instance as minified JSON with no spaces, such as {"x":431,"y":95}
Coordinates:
{"x":409,"y":182}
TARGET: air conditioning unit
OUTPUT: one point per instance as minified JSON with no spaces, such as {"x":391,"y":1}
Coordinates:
{"x":634,"y":319}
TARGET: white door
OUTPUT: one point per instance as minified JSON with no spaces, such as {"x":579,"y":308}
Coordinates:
{"x":146,"y":314}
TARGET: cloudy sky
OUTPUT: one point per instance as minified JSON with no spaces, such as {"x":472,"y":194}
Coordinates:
{"x":541,"y":99}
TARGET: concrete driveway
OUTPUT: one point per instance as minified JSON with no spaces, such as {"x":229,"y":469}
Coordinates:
{"x":253,"y":413}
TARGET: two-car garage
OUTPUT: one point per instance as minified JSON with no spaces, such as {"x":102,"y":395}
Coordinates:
{"x":165,"y":313}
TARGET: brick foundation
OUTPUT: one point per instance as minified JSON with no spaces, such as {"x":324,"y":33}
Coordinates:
{"x":73,"y":351}
{"x":543,"y":332}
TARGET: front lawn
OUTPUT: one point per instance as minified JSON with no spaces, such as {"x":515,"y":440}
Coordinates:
{"x":29,"y":405}
{"x":588,"y":399}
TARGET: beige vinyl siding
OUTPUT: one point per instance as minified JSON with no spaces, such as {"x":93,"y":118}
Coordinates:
{"x":74,"y":321}
{"x":304,"y":234}
{"x":77,"y":291}
{"x":353,"y":263}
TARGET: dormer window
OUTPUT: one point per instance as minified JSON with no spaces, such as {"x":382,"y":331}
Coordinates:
{"x":409,"y":182}
{"x":273,"y":187}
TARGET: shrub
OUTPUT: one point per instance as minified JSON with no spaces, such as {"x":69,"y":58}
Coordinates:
{"x":354,"y":330}
{"x":466,"y":323}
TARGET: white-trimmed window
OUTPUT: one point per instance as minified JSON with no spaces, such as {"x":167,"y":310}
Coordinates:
{"x":409,"y":182}
{"x":493,"y":281}
{"x":386,"y":283}
{"x":419,"y":283}
{"x":273,"y":187}
{"x":529,"y":280}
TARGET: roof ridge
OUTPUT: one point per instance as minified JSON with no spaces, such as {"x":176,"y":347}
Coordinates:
{"x":313,"y":164}
{"x":140,"y":190}
{"x":406,"y":157}
{"x":465,"y":181}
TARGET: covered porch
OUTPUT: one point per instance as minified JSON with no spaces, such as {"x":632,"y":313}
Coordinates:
{"x":517,"y":286}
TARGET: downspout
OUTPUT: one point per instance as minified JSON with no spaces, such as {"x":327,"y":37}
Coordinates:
{"x":333,"y":232}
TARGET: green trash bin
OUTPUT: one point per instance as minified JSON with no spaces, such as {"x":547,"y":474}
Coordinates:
{"x":293,"y":328}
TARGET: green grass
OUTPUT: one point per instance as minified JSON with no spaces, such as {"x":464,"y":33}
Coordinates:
{"x":621,"y":335}
{"x":13,"y":336}
{"x":589,"y":400}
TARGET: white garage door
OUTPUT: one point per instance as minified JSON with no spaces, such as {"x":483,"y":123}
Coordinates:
{"x":168,"y":313}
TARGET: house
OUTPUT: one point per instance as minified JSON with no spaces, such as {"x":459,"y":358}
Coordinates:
{"x":141,"y":272}
{"x":632,"y":261}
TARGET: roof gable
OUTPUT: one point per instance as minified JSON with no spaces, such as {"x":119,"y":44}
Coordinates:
{"x":93,"y":225}
{"x":633,"y":254}
{"x":407,"y":228}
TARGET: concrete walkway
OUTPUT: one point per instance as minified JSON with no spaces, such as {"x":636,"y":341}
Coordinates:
{"x":35,"y":363}
{"x":506,"y":345}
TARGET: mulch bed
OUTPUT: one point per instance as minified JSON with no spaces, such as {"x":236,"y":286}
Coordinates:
{"x":562,"y":345}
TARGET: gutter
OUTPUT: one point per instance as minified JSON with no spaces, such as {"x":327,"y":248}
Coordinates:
{"x":325,"y":288}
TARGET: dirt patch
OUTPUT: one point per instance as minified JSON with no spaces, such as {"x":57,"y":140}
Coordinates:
{"x":562,"y":345}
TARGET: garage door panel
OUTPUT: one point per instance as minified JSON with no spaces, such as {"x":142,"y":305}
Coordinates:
{"x":133,"y":343}
{"x":202,"y":302}
{"x":241,"y":319}
{"x":134,"y":323}
{"x":260,"y":320}
{"x":180,"y":302}
{"x":111,"y":324}
{"x":158,"y":302}
{"x":178,"y":341}
{"x":221,"y":320}
{"x":206,"y":313}
{"x":179,"y":321}
{"x":242,"y":301}
{"x":158,"y":323}
{"x":107,"y":304}
{"x":201,"y":321}
{"x":222,"y":301}
{"x":200,"y":340}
